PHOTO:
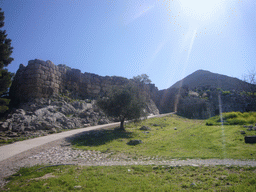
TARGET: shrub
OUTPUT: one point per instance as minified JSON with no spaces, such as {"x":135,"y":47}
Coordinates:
{"x":233,"y":118}
{"x":237,"y":121}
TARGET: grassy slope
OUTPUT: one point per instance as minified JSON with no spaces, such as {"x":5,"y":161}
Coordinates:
{"x":134,"y":178}
{"x":192,"y":139}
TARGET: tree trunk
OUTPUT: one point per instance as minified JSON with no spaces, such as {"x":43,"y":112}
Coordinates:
{"x":122,"y":125}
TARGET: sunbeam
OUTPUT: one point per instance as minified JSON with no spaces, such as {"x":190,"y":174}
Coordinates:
{"x":191,"y":44}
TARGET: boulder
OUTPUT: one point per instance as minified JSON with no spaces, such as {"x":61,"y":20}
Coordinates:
{"x":250,"y":139}
{"x":134,"y":142}
{"x":4,"y":126}
{"x":145,"y":128}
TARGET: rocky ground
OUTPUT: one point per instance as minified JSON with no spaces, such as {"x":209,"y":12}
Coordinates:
{"x":61,"y":152}
{"x":51,"y":115}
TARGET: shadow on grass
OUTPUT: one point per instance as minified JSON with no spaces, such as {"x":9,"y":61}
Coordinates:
{"x":98,"y":137}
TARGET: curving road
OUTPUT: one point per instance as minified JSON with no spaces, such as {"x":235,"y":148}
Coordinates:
{"x":10,"y":150}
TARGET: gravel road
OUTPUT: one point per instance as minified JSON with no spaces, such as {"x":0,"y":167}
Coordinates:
{"x":60,"y":152}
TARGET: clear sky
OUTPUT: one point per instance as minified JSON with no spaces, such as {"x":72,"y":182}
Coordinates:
{"x":166,"y":39}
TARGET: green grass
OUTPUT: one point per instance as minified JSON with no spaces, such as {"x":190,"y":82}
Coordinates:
{"x":170,"y":137}
{"x":233,"y":118}
{"x":192,"y":139}
{"x":134,"y":178}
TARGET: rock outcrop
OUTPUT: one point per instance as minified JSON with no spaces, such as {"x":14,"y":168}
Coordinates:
{"x":53,"y":114}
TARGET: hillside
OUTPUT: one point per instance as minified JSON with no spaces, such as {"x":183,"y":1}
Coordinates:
{"x":197,"y":95}
{"x":209,"y":80}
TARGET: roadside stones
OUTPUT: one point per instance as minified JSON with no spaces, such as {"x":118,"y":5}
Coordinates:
{"x":145,"y":128}
{"x":134,"y":142}
{"x":250,"y":128}
{"x":242,"y":132}
{"x":13,"y":134}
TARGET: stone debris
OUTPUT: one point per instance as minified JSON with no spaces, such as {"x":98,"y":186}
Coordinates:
{"x":38,"y":117}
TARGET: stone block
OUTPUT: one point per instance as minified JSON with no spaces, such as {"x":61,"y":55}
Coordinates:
{"x":96,"y":80}
{"x":37,"y":81}
{"x":40,"y":61}
{"x":40,"y":71}
{"x":48,"y":83}
{"x":58,"y":73}
{"x":96,"y":87}
{"x":31,"y":62}
{"x":250,"y":139}
{"x":50,"y":64}
{"x":44,"y":77}
{"x":34,"y":76}
{"x":44,"y":68}
{"x":95,"y":91}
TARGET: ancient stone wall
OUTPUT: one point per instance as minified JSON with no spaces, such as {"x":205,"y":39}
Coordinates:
{"x":42,"y":79}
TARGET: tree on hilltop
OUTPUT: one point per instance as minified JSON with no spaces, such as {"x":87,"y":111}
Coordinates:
{"x":124,"y":103}
{"x":5,"y":60}
{"x":143,"y":79}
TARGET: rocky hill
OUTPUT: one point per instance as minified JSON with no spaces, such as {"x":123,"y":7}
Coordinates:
{"x":208,"y":80}
{"x":200,"y":94}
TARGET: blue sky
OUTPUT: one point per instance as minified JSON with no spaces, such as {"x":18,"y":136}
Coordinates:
{"x":166,"y":39}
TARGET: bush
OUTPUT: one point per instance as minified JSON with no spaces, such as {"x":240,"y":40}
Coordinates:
{"x":237,"y":121}
{"x":231,"y":115}
{"x":225,"y":92}
{"x":233,"y":118}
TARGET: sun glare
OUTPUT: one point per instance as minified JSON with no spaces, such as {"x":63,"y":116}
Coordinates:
{"x":201,"y":10}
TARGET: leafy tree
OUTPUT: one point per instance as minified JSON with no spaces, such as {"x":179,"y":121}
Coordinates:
{"x":124,"y":103}
{"x":5,"y":60}
{"x":143,"y":78}
{"x":142,"y":81}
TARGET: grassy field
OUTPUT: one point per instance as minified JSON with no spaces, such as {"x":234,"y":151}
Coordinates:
{"x":173,"y":137}
{"x":170,"y":137}
{"x":134,"y":178}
